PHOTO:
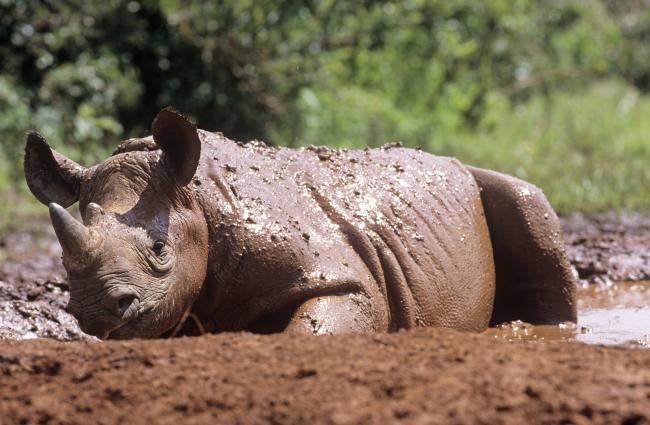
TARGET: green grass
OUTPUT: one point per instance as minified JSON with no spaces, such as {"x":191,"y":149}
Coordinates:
{"x":588,"y":148}
{"x":17,"y":208}
{"x":588,"y":151}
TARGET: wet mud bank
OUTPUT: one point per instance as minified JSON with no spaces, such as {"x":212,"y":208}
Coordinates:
{"x":33,"y":288}
{"x":419,"y":376}
{"x":609,"y":246}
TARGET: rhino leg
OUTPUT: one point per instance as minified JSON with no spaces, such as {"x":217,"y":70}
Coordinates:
{"x":534,"y":282}
{"x":334,"y":314}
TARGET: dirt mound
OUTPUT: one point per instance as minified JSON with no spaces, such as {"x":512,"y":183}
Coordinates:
{"x":33,"y":294}
{"x":421,"y":376}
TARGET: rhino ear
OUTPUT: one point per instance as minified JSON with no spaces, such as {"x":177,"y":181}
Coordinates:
{"x":179,"y":140}
{"x":51,"y":176}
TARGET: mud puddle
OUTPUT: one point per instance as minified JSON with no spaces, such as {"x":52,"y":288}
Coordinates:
{"x":610,"y":313}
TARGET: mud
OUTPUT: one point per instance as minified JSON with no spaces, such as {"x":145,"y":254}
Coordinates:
{"x":424,"y":376}
{"x":609,"y":246}
{"x":33,"y":290}
{"x":608,"y":314}
{"x":421,"y":376}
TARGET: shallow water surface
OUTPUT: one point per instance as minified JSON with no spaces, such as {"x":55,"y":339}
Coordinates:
{"x":614,"y":313}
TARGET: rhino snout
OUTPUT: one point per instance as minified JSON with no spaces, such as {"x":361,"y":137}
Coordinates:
{"x":116,"y":309}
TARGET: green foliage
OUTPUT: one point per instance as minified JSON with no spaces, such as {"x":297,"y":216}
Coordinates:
{"x":587,"y":151}
{"x":522,"y":86}
{"x":14,"y":119}
{"x":443,"y":65}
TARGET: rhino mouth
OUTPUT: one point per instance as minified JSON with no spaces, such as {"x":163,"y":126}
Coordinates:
{"x":126,"y":329}
{"x":108,"y":324}
{"x":120,"y":331}
{"x":112,"y":333}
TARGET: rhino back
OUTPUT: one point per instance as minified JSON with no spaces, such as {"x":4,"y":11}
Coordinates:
{"x":407,"y":226}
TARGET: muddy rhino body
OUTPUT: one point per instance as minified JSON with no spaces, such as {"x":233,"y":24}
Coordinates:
{"x":249,"y":237}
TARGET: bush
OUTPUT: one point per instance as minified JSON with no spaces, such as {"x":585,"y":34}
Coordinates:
{"x":435,"y":73}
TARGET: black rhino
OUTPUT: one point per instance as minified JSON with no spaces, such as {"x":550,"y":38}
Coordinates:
{"x":242,"y":236}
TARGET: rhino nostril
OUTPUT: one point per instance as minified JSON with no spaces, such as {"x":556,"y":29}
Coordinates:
{"x":127,"y":305}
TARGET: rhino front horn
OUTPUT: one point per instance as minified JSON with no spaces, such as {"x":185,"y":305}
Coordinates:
{"x":75,"y":238}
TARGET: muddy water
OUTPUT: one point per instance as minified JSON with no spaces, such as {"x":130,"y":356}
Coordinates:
{"x":613,"y":313}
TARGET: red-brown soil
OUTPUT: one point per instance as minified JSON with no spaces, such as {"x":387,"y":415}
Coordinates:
{"x":421,"y":376}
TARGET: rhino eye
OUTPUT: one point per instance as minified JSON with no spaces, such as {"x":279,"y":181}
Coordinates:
{"x":158,"y":247}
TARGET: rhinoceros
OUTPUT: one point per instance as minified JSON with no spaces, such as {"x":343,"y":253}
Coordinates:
{"x":247,"y":237}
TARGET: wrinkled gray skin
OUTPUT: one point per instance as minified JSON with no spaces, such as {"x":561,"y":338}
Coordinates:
{"x":247,"y":237}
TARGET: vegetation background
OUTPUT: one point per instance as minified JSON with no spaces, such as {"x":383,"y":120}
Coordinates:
{"x":554,"y":91}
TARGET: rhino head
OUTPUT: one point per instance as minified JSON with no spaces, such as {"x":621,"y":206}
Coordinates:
{"x":138,"y":259}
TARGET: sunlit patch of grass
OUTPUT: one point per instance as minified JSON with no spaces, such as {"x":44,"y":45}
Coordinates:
{"x":17,"y":215}
{"x":588,"y":151}
{"x":18,"y":208}
{"x":20,"y":212}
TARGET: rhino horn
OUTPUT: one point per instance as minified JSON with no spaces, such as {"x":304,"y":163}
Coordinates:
{"x":93,"y":213}
{"x":76,"y":239}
